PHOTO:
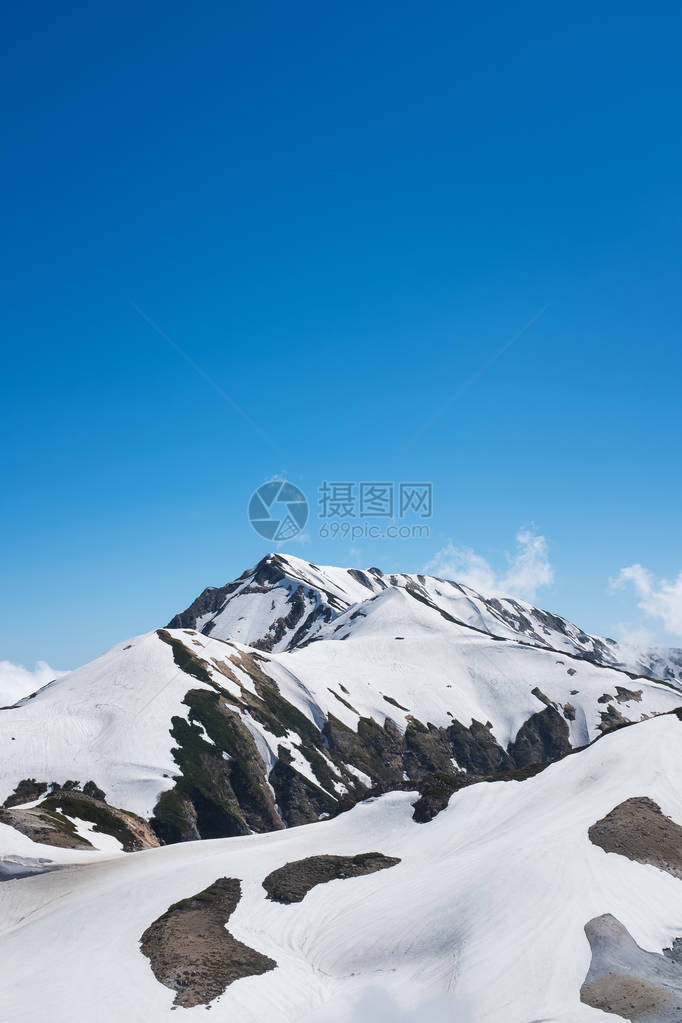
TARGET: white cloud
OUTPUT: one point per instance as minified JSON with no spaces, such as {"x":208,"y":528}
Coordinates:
{"x":528,"y":568}
{"x":16,"y":681}
{"x":658,"y":598}
{"x":463,"y":565}
{"x":635,"y":641}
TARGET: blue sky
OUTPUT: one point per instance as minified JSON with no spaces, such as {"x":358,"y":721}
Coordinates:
{"x":340,"y":214}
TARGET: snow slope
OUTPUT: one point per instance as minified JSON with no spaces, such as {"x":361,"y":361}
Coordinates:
{"x":110,"y":721}
{"x":482,"y":920}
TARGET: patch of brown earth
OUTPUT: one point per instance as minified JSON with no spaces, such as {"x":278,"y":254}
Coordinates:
{"x":293,"y":881}
{"x":627,"y":996}
{"x":639,"y":830}
{"x":192,"y":953}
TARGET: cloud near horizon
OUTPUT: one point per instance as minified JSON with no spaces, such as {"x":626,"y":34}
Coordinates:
{"x":528,"y":568}
{"x":660,"y":599}
{"x":16,"y":681}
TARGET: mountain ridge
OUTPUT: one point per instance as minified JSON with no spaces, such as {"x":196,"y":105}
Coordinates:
{"x":328,"y":592}
{"x":353,"y":682}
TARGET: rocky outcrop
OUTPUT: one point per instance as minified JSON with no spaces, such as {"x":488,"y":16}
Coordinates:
{"x":627,"y":981}
{"x":544,"y":737}
{"x":51,"y":822}
{"x":435,"y":791}
{"x":27,"y":791}
{"x":611,"y":718}
{"x":224,"y":788}
{"x":45,"y":827}
{"x":131,"y":831}
{"x":476,"y":750}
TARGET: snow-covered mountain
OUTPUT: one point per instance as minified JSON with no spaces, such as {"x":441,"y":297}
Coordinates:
{"x":297,"y":691}
{"x":399,"y":831}
{"x":285,"y":602}
{"x":556,"y":899}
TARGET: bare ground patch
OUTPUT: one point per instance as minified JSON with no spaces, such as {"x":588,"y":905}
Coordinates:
{"x":639,"y":830}
{"x":293,"y":881}
{"x":191,"y":952}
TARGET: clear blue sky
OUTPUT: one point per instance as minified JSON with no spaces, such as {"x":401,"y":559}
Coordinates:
{"x":340,"y":212}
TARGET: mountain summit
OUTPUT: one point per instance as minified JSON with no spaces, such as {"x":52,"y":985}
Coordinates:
{"x":284,"y":602}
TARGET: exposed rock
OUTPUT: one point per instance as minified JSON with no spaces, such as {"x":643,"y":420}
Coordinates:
{"x":90,"y":789}
{"x":209,"y":601}
{"x":624,"y":695}
{"x":131,"y":831}
{"x":625,"y":980}
{"x":476,"y":750}
{"x":639,"y":830}
{"x":345,"y":703}
{"x":46,"y":827}
{"x":293,"y":881}
{"x":375,"y":749}
{"x":436,"y":790}
{"x":224,"y":787}
{"x":27,"y":791}
{"x":435,"y":794}
{"x":394,"y":703}
{"x":50,"y":822}
{"x":191,"y":952}
{"x":539,"y":695}
{"x":185,"y":659}
{"x":214,"y":797}
{"x":612,"y":719}
{"x":299,"y":801}
{"x":427,"y":749}
{"x":674,"y":953}
{"x":545,"y":736}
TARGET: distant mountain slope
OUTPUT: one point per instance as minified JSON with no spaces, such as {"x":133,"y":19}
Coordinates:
{"x":285,"y":601}
{"x":354,"y":683}
{"x":506,"y":908}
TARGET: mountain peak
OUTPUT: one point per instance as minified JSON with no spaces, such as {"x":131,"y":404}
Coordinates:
{"x":283,"y":602}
